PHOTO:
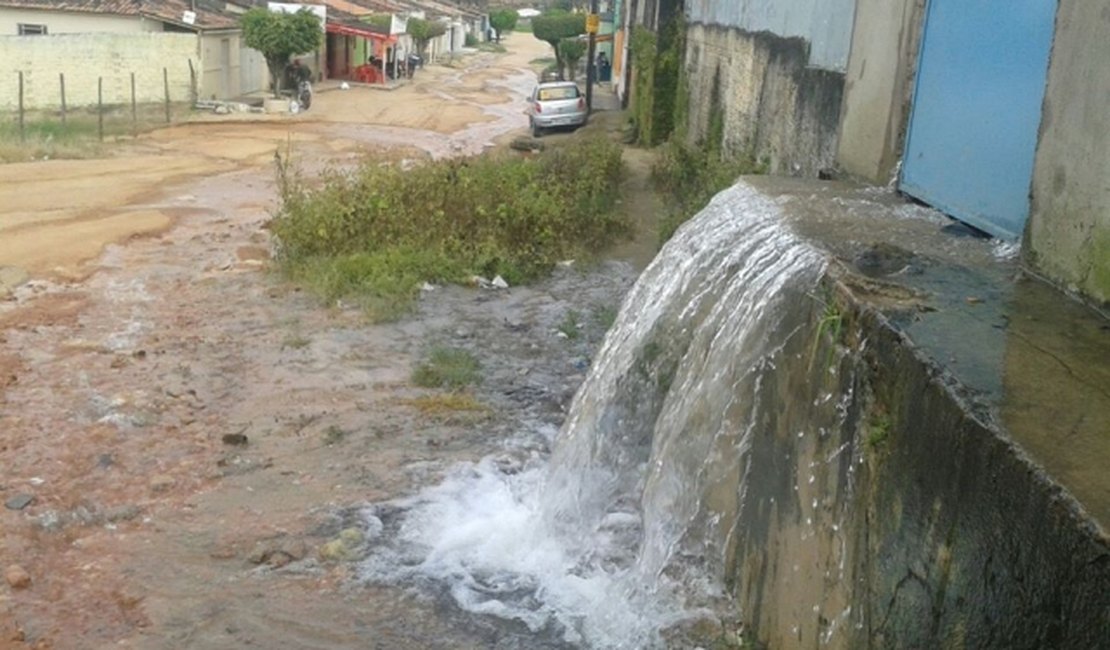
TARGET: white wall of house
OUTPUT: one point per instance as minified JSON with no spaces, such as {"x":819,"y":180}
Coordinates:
{"x":83,"y":58}
{"x":224,"y":67}
{"x":71,"y":22}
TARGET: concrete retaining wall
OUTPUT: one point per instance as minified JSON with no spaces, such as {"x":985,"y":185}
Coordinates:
{"x":774,"y":104}
{"x":84,"y":57}
{"x":896,"y":516}
{"x":1068,"y":234}
{"x":826,"y":25}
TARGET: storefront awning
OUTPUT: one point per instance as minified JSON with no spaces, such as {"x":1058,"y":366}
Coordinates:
{"x":345,"y":29}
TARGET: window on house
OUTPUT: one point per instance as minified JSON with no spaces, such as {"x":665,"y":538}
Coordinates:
{"x":31,"y":30}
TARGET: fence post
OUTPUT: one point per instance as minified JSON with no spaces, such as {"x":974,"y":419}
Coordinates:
{"x":166,"y":86}
{"x":193,"y":90}
{"x":134,"y":114}
{"x":100,"y":107}
{"x":22,"y":131}
{"x":62,"y":83}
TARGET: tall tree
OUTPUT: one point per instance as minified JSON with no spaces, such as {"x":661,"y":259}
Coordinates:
{"x":554,"y":27}
{"x":279,"y":36}
{"x":422,"y":33}
{"x":503,"y":20}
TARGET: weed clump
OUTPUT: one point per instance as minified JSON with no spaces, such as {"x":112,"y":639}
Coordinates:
{"x":689,"y":176}
{"x":377,"y":234}
{"x":444,"y":367}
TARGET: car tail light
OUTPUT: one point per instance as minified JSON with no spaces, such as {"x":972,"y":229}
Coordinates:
{"x":581,"y":103}
{"x":539,"y":109}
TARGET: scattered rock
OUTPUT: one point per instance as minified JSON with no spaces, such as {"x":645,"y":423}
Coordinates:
{"x":334,"y":551}
{"x":161,"y":483}
{"x":221,"y":110}
{"x":17,"y":577}
{"x":121,"y":513}
{"x":462,"y":333}
{"x":427,"y":286}
{"x":278,"y":552}
{"x":343,"y":548}
{"x":104,"y":461}
{"x":19,"y":501}
{"x":235,"y":439}
{"x":524,"y":143}
{"x":883,"y":259}
{"x":499,"y":283}
{"x":119,"y":361}
{"x":973,"y":300}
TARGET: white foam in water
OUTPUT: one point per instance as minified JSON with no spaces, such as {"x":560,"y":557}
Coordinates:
{"x":482,"y":534}
{"x":580,"y":546}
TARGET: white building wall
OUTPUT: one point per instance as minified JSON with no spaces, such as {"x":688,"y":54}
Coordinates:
{"x":62,"y":22}
{"x":84,"y":58}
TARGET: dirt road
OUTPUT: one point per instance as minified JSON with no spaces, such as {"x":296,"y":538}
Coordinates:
{"x":185,"y":439}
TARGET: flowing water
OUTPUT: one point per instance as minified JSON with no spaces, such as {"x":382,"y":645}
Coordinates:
{"x":623,"y":528}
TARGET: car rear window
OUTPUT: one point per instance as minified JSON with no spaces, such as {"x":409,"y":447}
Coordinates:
{"x":558,"y":92}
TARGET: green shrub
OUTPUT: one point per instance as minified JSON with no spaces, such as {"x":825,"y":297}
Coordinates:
{"x":470,"y":40}
{"x":376,"y":234}
{"x":689,"y":176}
{"x":452,"y":368}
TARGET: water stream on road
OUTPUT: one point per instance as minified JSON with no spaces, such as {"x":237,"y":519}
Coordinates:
{"x":609,"y":538}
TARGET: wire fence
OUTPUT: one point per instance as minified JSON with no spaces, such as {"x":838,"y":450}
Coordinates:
{"x":124,"y":105}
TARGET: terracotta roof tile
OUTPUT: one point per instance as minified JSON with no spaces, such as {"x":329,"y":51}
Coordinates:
{"x":171,"y":11}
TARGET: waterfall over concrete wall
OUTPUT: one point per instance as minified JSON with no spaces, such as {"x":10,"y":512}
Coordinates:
{"x":757,"y":441}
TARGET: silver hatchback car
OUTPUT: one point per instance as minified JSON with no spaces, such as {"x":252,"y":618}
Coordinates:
{"x":556,"y":103}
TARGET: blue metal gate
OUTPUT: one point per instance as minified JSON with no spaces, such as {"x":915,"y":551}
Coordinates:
{"x":977,"y":109}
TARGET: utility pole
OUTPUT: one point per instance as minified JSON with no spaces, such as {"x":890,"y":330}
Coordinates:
{"x":591,"y":52}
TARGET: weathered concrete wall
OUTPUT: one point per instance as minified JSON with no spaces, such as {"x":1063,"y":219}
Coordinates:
{"x":772,"y":102}
{"x":877,"y":87}
{"x":1068,"y":234}
{"x":883,"y":503}
{"x":826,"y":25}
{"x":84,"y":57}
{"x":895,"y":518}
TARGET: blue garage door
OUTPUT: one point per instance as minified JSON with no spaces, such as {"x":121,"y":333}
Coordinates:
{"x":977,"y":108}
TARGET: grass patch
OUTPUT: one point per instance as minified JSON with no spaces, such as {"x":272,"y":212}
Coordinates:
{"x":878,"y":430}
{"x":444,"y":367}
{"x":296,"y":342}
{"x":688,"y":177}
{"x":334,"y":435}
{"x":46,"y":136}
{"x":605,"y":316}
{"x":570,"y":327}
{"x":492,"y":46}
{"x":442,"y":404}
{"x":543,"y":61}
{"x":375,"y":235}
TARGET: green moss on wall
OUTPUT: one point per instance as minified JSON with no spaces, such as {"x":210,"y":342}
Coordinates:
{"x":1098,"y":283}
